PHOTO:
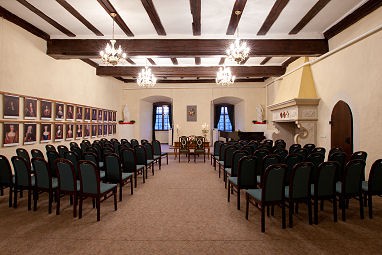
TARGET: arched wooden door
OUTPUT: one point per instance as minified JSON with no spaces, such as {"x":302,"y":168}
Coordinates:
{"x":342,"y":127}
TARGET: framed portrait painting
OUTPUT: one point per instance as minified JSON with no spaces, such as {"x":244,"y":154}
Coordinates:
{"x":11,"y":106}
{"x":78,"y":131}
{"x":105,"y":130}
{"x":59,"y":111}
{"x":11,"y":134}
{"x":46,"y":110}
{"x":58,"y":132}
{"x":79,"y":114}
{"x":99,"y":133}
{"x":94,"y":114}
{"x":110,"y":131}
{"x":104,"y":115}
{"x":114,"y":116}
{"x":87,"y":131}
{"x":114,"y":128}
{"x":30,"y":133}
{"x":94,"y":130}
{"x":99,"y":115}
{"x":69,"y":112}
{"x":110,"y":117}
{"x":69,"y":132}
{"x":46,"y":133}
{"x":87,"y":114}
{"x":191,"y":113}
{"x":30,"y":108}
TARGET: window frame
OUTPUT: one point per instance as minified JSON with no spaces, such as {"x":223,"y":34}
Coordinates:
{"x":163,"y":119}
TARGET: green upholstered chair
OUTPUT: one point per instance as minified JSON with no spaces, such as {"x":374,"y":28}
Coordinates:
{"x":150,"y":154}
{"x":237,"y":155}
{"x":24,"y":180}
{"x":50,"y":147}
{"x":199,"y":147}
{"x":68,"y":184}
{"x":21,"y":152}
{"x":36,"y":153}
{"x":73,"y":144}
{"x":245,"y":177}
{"x":226,"y":165}
{"x":260,"y":154}
{"x":268,"y":160}
{"x":291,"y":160}
{"x":335,"y":150}
{"x":294,"y":147}
{"x":91,"y":156}
{"x":143,"y":141}
{"x":158,"y":152}
{"x":134,"y":142}
{"x":44,"y":181}
{"x":320,"y":150}
{"x":141,"y":155}
{"x":280,"y":144}
{"x":184,"y":147}
{"x":309,"y":147}
{"x":359,"y":155}
{"x":283,"y":153}
{"x":271,"y":192}
{"x":302,"y":152}
{"x":77,"y":151}
{"x":129,"y":163}
{"x":316,"y":159}
{"x":6,"y":177}
{"x":298,"y":189}
{"x":72,"y":157}
{"x":350,"y":185}
{"x":115,"y":175}
{"x":220,"y":162}
{"x":91,"y":186}
{"x":373,"y":186}
{"x":52,"y":156}
{"x":123,"y":141}
{"x":62,"y":149}
{"x":341,"y":158}
{"x":215,"y":153}
{"x":324,"y":187}
{"x":248,"y":148}
{"x":268,"y":143}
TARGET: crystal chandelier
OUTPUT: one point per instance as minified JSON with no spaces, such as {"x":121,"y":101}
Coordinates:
{"x":224,"y":76}
{"x":146,"y":78}
{"x":111,"y":55}
{"x":238,"y":51}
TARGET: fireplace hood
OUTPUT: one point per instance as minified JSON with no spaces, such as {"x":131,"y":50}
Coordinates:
{"x":294,"y":111}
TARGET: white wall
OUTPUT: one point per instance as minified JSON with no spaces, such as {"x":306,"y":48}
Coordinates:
{"x":26,"y":69}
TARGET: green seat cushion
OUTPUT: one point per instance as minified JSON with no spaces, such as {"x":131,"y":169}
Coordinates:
{"x":149,"y":161}
{"x":78,"y":185}
{"x":100,"y":164}
{"x":365,"y":186}
{"x":139,"y":167}
{"x":258,"y":179}
{"x":338,"y":187}
{"x":104,"y":187}
{"x":286,"y":191}
{"x":255,"y":193}
{"x":164,"y":154}
{"x":221,"y":163}
{"x":54,"y":183}
{"x":102,"y":174}
{"x":228,"y":170}
{"x":216,"y":157}
{"x":233,"y":180}
{"x":156,"y":157}
{"x":312,"y":189}
{"x":126,"y":175}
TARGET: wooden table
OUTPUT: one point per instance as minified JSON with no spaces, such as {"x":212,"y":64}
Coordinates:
{"x":176,"y":147}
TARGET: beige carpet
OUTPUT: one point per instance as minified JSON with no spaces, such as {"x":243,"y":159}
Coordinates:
{"x":182,"y":209}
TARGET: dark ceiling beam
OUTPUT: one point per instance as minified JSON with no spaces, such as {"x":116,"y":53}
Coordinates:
{"x":288,"y":61}
{"x":109,"y":8}
{"x":152,"y":62}
{"x":79,"y":48}
{"x":130,"y":61}
{"x":22,"y":23}
{"x":353,"y":17}
{"x":195,"y":6}
{"x":222,"y":60}
{"x":90,"y":62}
{"x":78,"y":16}
{"x":309,"y":16}
{"x":192,"y":80}
{"x":46,"y":18}
{"x":265,"y":60}
{"x":154,"y":17}
{"x":275,"y":12}
{"x":197,"y":61}
{"x":235,"y":19}
{"x":174,"y":61}
{"x":192,"y":71}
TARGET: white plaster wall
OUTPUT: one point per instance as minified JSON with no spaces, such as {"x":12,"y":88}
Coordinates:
{"x":145,"y":120}
{"x":26,"y":69}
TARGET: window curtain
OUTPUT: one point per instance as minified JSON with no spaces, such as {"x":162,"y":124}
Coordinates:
{"x":231,"y":115}
{"x":170,"y":120}
{"x":154,"y":119}
{"x":217,"y":115}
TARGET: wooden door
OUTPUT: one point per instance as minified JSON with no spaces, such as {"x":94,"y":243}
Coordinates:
{"x":342,"y":127}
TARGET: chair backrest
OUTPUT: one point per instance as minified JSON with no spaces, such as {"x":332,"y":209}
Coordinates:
{"x":340,"y":157}
{"x":291,"y":160}
{"x":157,"y":148}
{"x":316,"y":158}
{"x":141,"y":156}
{"x":52,"y":156}
{"x":309,"y":147}
{"x":375,"y":177}
{"x":217,"y":145}
{"x":335,"y":150}
{"x":62,"y":149}
{"x":273,"y":183}
{"x":66,"y":175}
{"x":149,"y":150}
{"x":5,"y":171}
{"x":280,"y":144}
{"x":325,"y":184}
{"x":134,"y":142}
{"x":199,"y":143}
{"x":299,"y":180}
{"x":270,"y":159}
{"x":248,"y":149}
{"x":246,"y":173}
{"x":73,"y":144}
{"x":116,"y":145}
{"x":36,"y":153}
{"x":353,"y":175}
{"x":228,"y":155}
{"x":283,"y":153}
{"x":294,"y":147}
{"x":50,"y":147}
{"x":113,"y":168}
{"x":91,"y":156}
{"x":89,"y":177}
{"x":222,"y":151}
{"x":22,"y":171}
{"x":359,"y":155}
{"x":69,"y":155}
{"x":78,"y":151}
{"x":268,"y":143}
{"x":143,"y":141}
{"x":123,"y":141}
{"x":260,"y":154}
{"x":302,"y":151}
{"x":129,"y":160}
{"x":21,"y":152}
{"x":320,"y":150}
{"x":237,"y":155}
{"x":183,"y":143}
{"x":42,"y":173}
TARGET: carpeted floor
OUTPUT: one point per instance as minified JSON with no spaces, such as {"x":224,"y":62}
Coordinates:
{"x":182,"y":209}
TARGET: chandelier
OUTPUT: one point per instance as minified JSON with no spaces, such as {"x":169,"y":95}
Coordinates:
{"x":238,"y":51}
{"x":224,"y":76}
{"x":146,"y":78}
{"x":111,"y":55}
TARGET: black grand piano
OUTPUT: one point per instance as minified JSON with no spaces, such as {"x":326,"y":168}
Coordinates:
{"x":239,"y":135}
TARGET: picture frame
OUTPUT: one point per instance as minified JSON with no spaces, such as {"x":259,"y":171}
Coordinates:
{"x":79,"y":113}
{"x":114,"y":116}
{"x":94,"y":130}
{"x":58,"y":132}
{"x":30,"y":133}
{"x":104,"y":115}
{"x":87,"y":114}
{"x":99,"y":133}
{"x":69,"y":132}
{"x":59,"y":113}
{"x":192,"y":113}
{"x":11,"y":106}
{"x":114,"y":128}
{"x":45,"y":132}
{"x":46,"y":110}
{"x":94,"y":114}
{"x":110,"y":131}
{"x":99,"y":115}
{"x":110,"y":117}
{"x":78,"y":131}
{"x":86,"y":130}
{"x":10,"y":134}
{"x":104,"y":130}
{"x":69,"y":112}
{"x":30,"y":108}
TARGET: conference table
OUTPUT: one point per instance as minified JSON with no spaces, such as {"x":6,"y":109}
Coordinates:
{"x":176,"y":147}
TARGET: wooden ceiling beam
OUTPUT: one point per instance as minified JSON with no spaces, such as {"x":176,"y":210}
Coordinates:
{"x":192,"y":80}
{"x":69,"y":48}
{"x":90,"y":62}
{"x":130,"y":61}
{"x":109,"y":8}
{"x":191,"y":71}
{"x":309,"y":16}
{"x":275,"y":12}
{"x":195,"y":6}
{"x":197,"y":61}
{"x":78,"y":16}
{"x":222,"y":60}
{"x":154,"y":17}
{"x":152,"y":62}
{"x":174,"y":61}
{"x":46,"y":18}
{"x":288,"y":61}
{"x":235,"y":19}
{"x":265,"y":60}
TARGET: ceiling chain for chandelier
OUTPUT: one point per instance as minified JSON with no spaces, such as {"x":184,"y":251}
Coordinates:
{"x":238,"y":51}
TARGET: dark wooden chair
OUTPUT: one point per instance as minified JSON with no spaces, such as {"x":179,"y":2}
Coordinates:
{"x":6,"y":177}
{"x":129,"y":163}
{"x":199,"y":148}
{"x":373,"y":187}
{"x":158,"y":152}
{"x":36,"y":153}
{"x":184,"y":147}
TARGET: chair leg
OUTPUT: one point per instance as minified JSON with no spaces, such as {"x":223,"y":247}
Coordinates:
{"x":115,"y":199}
{"x":361,"y":212}
{"x":120,"y":192}
{"x":246,"y":205}
{"x":291,"y":213}
{"x":10,"y":196}
{"x":167,"y":158}
{"x":131,"y":186}
{"x":315,"y":211}
{"x":75,"y":198}
{"x":283,"y":215}
{"x":263,"y":219}
{"x":160,"y":162}
{"x":238,"y":198}
{"x":229,"y":191}
{"x":335,"y":208}
{"x":99,"y":207}
{"x":370,"y":204}
{"x":310,"y":211}
{"x":58,"y":202}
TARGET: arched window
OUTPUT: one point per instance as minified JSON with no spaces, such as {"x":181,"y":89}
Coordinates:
{"x":224,"y":117}
{"x":162,"y":117}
